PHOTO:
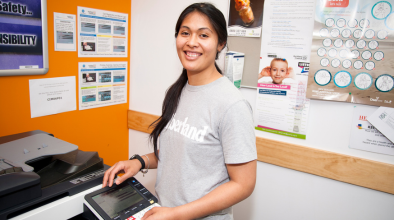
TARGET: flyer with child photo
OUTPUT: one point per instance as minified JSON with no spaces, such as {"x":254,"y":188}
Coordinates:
{"x":281,"y":104}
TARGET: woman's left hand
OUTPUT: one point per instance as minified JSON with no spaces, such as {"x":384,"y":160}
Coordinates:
{"x":159,"y":213}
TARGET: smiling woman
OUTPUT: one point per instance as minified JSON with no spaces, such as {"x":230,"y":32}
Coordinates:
{"x":207,"y":157}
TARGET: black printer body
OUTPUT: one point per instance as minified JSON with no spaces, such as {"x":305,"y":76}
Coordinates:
{"x":37,"y":168}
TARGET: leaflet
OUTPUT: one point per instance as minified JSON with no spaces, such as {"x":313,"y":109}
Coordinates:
{"x":102,"y":33}
{"x":383,"y":120}
{"x":281,"y":105}
{"x":352,"y":52}
{"x":65,"y":34}
{"x":102,"y":84}
{"x":365,"y":136}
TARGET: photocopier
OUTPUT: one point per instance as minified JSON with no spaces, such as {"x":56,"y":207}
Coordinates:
{"x":36,"y":169}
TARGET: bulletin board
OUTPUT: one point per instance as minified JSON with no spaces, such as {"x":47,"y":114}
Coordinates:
{"x":101,"y":129}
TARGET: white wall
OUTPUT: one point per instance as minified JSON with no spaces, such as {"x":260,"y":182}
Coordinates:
{"x":280,"y":193}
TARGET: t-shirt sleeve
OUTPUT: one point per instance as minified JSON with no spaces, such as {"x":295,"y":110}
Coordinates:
{"x":236,"y":132}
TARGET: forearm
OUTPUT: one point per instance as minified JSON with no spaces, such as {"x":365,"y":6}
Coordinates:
{"x":222,"y":197}
{"x":152,"y":162}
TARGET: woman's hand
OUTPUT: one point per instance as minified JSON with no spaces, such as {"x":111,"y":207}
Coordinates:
{"x":128,"y":167}
{"x":158,"y":213}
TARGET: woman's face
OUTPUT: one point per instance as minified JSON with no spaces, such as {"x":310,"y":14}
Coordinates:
{"x":197,"y":43}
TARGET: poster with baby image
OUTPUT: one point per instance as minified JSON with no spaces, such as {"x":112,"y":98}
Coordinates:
{"x":281,"y":105}
{"x":352,"y":52}
{"x":245,"y":18}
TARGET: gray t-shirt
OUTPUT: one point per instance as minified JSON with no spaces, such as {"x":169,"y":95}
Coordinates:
{"x":213,"y":126}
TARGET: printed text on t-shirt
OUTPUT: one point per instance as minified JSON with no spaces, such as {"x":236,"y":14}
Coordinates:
{"x":186,"y":130}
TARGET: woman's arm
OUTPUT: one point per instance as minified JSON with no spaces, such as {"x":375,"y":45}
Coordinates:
{"x":129,"y":167}
{"x":240,"y":186}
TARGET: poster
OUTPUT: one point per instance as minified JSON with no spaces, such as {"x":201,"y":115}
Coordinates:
{"x":102,"y":84}
{"x":102,"y":33}
{"x":52,"y":95}
{"x":245,"y":18}
{"x":21,"y":35}
{"x":365,"y":136}
{"x":281,"y":105}
{"x":65,"y":34}
{"x":352,"y":52}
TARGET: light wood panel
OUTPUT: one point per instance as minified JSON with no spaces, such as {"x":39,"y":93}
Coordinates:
{"x":349,"y":169}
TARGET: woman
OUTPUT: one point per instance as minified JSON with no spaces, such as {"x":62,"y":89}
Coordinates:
{"x":207,"y":157}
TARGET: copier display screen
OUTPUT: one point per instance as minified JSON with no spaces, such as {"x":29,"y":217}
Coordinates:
{"x":117,"y":200}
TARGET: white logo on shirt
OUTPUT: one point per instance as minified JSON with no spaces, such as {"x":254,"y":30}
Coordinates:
{"x":187,"y":130}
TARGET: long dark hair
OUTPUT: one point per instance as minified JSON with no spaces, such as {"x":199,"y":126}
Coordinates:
{"x":171,"y":100}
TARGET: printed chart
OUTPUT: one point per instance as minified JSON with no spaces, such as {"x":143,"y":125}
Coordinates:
{"x":352,"y":52}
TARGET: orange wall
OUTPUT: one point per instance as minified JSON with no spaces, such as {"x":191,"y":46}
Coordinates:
{"x":100,"y":129}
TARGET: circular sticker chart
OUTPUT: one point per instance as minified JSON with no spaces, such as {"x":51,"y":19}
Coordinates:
{"x":363,"y":81}
{"x":346,"y":64}
{"x":366,"y":55}
{"x":321,"y":51}
{"x":389,"y":21}
{"x":335,"y":63}
{"x":322,"y":77}
{"x":361,"y":44}
{"x":327,"y":42}
{"x":378,"y":55}
{"x":332,"y":53}
{"x":343,"y":53}
{"x":338,"y":43}
{"x":358,"y":64}
{"x":324,"y":62}
{"x":349,"y":43}
{"x":352,"y":23}
{"x":370,"y":65}
{"x":373,"y":44}
{"x":364,"y":23}
{"x":323,"y":32}
{"x":341,"y":23}
{"x":384,"y":83}
{"x":382,"y":34}
{"x":335,"y":32}
{"x":355,"y":54}
{"x":357,"y":33}
{"x":330,"y":22}
{"x":346,"y":33}
{"x":381,"y":10}
{"x":369,"y":34}
{"x":342,"y":79}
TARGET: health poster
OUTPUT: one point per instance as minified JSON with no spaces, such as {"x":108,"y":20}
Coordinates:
{"x":102,"y":33}
{"x":352,"y":52}
{"x":245,"y":18}
{"x":102,"y":84}
{"x":281,"y":105}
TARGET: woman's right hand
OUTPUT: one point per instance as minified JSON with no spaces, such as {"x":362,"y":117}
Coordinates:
{"x":129,"y":167}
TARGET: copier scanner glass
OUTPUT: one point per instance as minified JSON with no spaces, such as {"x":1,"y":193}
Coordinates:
{"x":117,"y":200}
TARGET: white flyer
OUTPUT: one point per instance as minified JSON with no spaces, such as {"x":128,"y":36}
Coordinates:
{"x":365,"y":136}
{"x":383,"y":120}
{"x":281,"y":106}
{"x":52,"y":95}
{"x":102,"y":33}
{"x":102,"y":84}
{"x":65,"y":34}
